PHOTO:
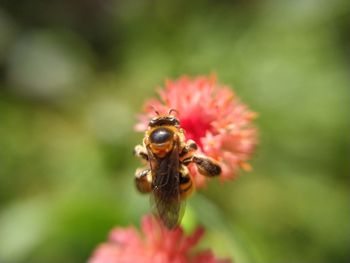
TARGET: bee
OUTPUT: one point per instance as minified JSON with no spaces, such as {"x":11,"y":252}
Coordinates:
{"x":166,"y":176}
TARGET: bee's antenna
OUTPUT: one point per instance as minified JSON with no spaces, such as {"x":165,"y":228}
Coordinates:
{"x":155,"y":110}
{"x":173,"y":110}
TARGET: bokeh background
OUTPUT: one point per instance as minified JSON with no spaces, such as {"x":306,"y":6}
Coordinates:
{"x":73,"y":75}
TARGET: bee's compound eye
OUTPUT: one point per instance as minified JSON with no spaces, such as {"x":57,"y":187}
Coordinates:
{"x":161,"y":135}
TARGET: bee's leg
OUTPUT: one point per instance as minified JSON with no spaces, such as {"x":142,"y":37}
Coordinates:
{"x":186,"y":184}
{"x":141,"y":152}
{"x":206,"y":165}
{"x":143,"y":180}
{"x":187,"y":152}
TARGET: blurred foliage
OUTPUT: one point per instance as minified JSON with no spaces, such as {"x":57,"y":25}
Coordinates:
{"x":73,"y":75}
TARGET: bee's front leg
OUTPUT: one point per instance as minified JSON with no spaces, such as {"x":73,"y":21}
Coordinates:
{"x":206,"y":165}
{"x":141,"y":152}
{"x":186,"y":184}
{"x":143,"y":180}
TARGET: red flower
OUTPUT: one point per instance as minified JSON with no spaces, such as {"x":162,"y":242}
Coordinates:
{"x":212,"y":116}
{"x":156,"y":244}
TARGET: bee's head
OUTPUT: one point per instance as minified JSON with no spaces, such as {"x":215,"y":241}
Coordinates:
{"x":167,"y":120}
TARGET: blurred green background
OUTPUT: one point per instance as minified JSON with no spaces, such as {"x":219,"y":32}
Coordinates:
{"x":73,"y":75}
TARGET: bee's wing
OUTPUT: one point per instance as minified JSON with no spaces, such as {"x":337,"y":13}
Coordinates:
{"x":166,"y":191}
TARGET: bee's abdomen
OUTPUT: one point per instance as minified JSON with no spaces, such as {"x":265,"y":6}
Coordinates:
{"x":186,"y":185}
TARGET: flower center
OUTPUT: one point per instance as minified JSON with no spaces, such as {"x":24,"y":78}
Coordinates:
{"x":195,"y":127}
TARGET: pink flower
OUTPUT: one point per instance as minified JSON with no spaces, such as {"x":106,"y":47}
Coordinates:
{"x":156,"y":244}
{"x":211,"y":115}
